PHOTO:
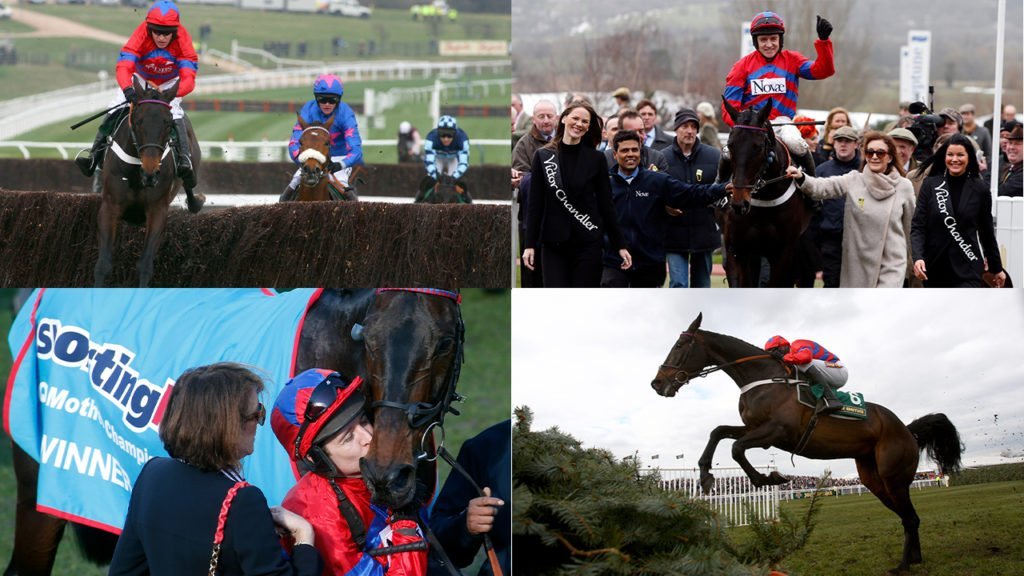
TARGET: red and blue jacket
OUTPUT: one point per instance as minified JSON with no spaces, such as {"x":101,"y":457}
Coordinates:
{"x":157,"y":65}
{"x":803,"y":351}
{"x":345,"y":140}
{"x":753,"y":79}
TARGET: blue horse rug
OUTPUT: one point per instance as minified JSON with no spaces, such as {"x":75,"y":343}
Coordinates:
{"x":93,"y":370}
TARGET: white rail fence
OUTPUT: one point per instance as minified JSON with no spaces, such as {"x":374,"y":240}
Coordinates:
{"x":1010,"y":236}
{"x":733,"y":496}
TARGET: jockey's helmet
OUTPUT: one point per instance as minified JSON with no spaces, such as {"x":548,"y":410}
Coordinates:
{"x":767,"y":23}
{"x":328,"y":84}
{"x":311,"y":408}
{"x":404,"y":127}
{"x":163,"y":17}
{"x":776,"y":342}
{"x":446,"y":126}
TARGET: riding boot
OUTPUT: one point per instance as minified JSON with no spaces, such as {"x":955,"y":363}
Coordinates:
{"x":183,"y":153}
{"x":288,"y":195}
{"x":724,"y":166}
{"x":829,"y":403}
{"x":88,"y":164}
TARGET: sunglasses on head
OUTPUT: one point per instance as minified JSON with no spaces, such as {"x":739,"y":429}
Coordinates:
{"x":876,"y":153}
{"x":327,"y":99}
{"x":260,"y":415}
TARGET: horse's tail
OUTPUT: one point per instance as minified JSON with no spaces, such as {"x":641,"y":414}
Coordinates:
{"x":97,"y":546}
{"x":936,"y":434}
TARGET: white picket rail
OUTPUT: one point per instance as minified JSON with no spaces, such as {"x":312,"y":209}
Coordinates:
{"x":1010,"y":236}
{"x":733,"y":496}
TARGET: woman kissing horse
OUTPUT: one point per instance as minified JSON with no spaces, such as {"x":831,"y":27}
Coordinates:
{"x":886,"y":451}
{"x":406,"y":344}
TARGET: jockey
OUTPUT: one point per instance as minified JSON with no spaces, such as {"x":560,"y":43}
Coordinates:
{"x":771,"y":73}
{"x":160,"y":50}
{"x":445,"y":151}
{"x":346,"y":146}
{"x":816,"y":364}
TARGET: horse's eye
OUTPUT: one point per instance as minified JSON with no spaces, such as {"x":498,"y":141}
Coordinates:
{"x":445,"y":346}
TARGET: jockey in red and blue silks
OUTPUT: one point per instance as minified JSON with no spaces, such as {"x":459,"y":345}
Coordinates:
{"x":771,"y":73}
{"x":816,"y":363}
{"x":445,"y":151}
{"x":346,"y":146}
{"x":160,"y":50}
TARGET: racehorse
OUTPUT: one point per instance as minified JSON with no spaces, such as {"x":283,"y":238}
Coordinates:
{"x":406,"y":344}
{"x":886,"y":451}
{"x":139,"y":180}
{"x":314,"y":157}
{"x":446,"y":190}
{"x":768,"y":213}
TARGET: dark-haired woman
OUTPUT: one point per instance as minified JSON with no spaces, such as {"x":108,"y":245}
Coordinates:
{"x":953,"y":221}
{"x":319,"y":419}
{"x":175,"y":511}
{"x":571,"y":206}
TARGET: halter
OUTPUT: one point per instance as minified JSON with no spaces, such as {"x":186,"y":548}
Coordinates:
{"x":705,"y":371}
{"x":422,"y":414}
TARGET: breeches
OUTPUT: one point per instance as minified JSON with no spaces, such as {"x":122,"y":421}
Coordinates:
{"x":832,"y":374}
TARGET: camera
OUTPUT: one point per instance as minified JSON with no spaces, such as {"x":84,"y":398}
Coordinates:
{"x":925,"y":128}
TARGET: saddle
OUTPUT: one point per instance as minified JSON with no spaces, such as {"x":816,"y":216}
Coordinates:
{"x":854,"y":405}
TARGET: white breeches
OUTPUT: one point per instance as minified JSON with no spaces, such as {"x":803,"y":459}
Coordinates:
{"x":832,"y":373}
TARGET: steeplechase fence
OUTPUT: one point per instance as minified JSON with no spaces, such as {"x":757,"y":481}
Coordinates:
{"x":733,"y":496}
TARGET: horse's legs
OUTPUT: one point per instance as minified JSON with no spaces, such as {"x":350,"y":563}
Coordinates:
{"x":156,"y":222}
{"x":765,"y":435}
{"x":36,"y":535}
{"x":707,"y":480}
{"x":894,"y":493}
{"x":106,"y":233}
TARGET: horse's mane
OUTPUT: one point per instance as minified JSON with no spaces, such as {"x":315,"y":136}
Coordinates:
{"x":732,"y":341}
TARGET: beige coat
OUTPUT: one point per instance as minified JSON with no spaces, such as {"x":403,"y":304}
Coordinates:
{"x":876,"y":225}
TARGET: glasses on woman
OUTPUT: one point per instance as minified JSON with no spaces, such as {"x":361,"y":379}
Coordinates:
{"x":260,"y":415}
{"x":876,"y":153}
{"x":327,"y":99}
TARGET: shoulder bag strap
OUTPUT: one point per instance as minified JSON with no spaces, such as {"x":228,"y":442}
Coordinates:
{"x":222,"y":519}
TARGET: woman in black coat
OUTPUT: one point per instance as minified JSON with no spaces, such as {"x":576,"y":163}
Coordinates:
{"x":954,"y":213}
{"x":570,"y":208}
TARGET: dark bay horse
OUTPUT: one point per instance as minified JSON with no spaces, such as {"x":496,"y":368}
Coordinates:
{"x":316,"y":182}
{"x":768,"y":213}
{"x":406,"y":344}
{"x":139,"y":180}
{"x":447,"y":190}
{"x":886,"y":451}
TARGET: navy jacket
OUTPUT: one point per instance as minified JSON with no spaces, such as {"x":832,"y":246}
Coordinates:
{"x":172,"y":517}
{"x":695,"y":229}
{"x":487,"y":458}
{"x":640,"y":206}
{"x":830,"y":216}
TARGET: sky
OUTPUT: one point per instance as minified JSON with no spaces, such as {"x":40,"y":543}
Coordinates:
{"x":583,"y":360}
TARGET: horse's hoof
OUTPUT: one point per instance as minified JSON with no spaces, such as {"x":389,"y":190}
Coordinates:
{"x":775,"y":478}
{"x":195,"y":202}
{"x":707,"y":483}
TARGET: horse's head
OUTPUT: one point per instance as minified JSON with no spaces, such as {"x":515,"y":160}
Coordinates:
{"x":686,"y":359}
{"x":150,"y":122}
{"x":751,"y":151}
{"x":314,"y":149}
{"x":413,"y":340}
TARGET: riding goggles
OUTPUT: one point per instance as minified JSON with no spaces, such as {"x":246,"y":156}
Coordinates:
{"x":329,"y":396}
{"x":446,"y":133}
{"x":327,"y":99}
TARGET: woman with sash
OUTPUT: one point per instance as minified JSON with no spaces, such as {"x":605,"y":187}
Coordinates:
{"x":954,"y":213}
{"x":570,"y":208}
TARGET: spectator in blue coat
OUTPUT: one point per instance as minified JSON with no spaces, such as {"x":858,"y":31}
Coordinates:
{"x":461,"y":516}
{"x":346,"y":146}
{"x":829,"y":221}
{"x":692,"y":235}
{"x":639,"y":197}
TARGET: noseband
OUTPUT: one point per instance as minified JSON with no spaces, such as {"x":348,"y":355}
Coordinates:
{"x":420,"y":414}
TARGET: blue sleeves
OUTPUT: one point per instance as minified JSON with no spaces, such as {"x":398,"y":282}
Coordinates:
{"x":345,"y":129}
{"x":430,"y":154}
{"x":463,"y":159}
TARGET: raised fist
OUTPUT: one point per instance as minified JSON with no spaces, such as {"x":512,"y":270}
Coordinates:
{"x":824,"y":28}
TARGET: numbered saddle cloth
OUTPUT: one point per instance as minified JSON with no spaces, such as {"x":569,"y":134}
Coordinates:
{"x":854,"y":405}
{"x":93,"y":370}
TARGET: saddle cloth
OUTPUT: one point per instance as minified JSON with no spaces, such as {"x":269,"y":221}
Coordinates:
{"x":93,"y":370}
{"x":854,"y":405}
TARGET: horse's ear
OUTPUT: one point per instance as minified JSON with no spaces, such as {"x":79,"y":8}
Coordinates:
{"x":171,"y":91}
{"x":696,"y":323}
{"x":330,"y":120}
{"x":302,"y":122}
{"x":764,"y":113}
{"x":733,"y":112}
{"x":139,"y":83}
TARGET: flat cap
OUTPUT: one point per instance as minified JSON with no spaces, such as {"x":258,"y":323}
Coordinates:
{"x":903,"y":134}
{"x":846,"y":132}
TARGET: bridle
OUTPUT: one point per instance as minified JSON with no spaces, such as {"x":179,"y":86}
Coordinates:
{"x":131,"y":129}
{"x":420,"y":414}
{"x":318,"y":173}
{"x":769,"y":159}
{"x":682,"y":377}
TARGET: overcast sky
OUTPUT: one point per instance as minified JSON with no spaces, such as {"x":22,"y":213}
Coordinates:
{"x":583,"y":360}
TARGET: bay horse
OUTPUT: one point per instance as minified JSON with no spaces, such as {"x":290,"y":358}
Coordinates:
{"x":406,"y":344}
{"x":316,"y":182}
{"x":447,"y":190}
{"x":768,"y":214}
{"x":139,"y":180}
{"x":886,"y":451}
